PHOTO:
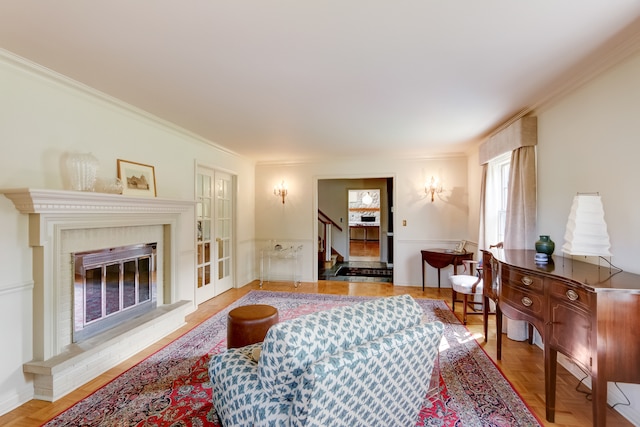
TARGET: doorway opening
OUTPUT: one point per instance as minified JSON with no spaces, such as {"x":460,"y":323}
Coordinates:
{"x":359,"y":213}
{"x":364,"y":224}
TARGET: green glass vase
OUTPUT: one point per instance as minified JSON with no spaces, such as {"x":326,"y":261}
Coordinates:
{"x":545,"y":245}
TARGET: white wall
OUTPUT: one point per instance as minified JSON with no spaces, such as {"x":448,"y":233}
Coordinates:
{"x":429,"y":225}
{"x":590,"y":141}
{"x":42,"y":117}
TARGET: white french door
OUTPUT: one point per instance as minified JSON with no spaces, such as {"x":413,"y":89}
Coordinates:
{"x":223,"y":231}
{"x":214,"y":222}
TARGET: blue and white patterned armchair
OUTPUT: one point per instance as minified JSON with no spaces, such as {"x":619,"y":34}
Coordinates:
{"x":367,"y":364}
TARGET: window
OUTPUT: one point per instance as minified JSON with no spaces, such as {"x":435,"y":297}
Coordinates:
{"x":497,"y":197}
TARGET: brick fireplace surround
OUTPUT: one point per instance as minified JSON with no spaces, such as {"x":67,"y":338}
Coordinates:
{"x":64,"y":222}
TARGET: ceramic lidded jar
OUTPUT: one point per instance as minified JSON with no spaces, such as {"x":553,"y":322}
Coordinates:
{"x":545,"y":245}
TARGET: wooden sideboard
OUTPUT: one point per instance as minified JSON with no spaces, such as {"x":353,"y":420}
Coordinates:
{"x":587,"y":312}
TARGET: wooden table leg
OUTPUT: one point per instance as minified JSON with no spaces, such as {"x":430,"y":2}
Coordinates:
{"x":498,"y":332}
{"x":550,"y":366}
{"x":599,"y":402}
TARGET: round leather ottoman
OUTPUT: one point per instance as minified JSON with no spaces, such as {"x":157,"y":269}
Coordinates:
{"x":249,"y":324}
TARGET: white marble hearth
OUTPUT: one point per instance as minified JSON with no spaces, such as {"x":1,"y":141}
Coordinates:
{"x":64,"y":222}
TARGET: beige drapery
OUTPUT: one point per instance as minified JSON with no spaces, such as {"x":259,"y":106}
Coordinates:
{"x":482,"y":234}
{"x":520,"y":138}
{"x":520,"y":227}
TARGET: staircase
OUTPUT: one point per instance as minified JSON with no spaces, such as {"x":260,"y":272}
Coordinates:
{"x":334,"y":258}
{"x":327,"y":255}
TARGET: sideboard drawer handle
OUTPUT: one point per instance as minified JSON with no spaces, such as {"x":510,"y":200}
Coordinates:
{"x":572,"y":295}
{"x":526,"y":301}
{"x":527,"y":281}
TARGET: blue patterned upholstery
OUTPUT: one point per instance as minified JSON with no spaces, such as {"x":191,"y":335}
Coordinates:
{"x":364,"y":364}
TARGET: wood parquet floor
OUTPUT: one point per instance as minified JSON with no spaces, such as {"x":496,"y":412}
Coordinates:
{"x":364,"y":250}
{"x":521,"y":363}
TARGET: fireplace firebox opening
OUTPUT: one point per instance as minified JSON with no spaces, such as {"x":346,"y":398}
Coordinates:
{"x":112,"y":286}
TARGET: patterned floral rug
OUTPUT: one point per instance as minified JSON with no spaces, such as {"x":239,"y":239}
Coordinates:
{"x":172,"y":388}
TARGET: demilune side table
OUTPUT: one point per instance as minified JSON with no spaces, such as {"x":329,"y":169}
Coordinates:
{"x":441,"y":258}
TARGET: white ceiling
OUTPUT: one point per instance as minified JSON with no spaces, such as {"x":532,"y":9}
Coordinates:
{"x":291,"y":79}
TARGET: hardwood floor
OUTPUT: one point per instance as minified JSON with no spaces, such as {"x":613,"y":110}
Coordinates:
{"x":522,"y":363}
{"x":364,"y":250}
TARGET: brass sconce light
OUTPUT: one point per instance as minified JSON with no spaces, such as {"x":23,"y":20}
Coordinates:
{"x":281,"y":190}
{"x":432,"y":187}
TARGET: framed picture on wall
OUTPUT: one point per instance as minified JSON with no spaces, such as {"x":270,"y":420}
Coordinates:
{"x":137,"y":179}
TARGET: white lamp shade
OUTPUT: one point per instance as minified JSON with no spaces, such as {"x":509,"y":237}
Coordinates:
{"x":586,"y":232}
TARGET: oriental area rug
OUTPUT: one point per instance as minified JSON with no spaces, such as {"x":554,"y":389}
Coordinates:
{"x":172,"y":387}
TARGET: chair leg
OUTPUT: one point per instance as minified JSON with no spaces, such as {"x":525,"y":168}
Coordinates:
{"x":464,"y":310}
{"x":453,"y":299}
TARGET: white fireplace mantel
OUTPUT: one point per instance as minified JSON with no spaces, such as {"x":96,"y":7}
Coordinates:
{"x":28,"y":200}
{"x":58,"y":365}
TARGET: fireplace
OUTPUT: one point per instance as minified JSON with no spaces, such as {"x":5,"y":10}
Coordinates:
{"x":108,"y":236}
{"x":112,"y":286}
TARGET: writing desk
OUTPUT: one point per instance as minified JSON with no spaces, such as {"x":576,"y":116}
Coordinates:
{"x":587,"y":312}
{"x":441,"y":258}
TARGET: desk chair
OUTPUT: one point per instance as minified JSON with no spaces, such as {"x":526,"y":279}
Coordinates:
{"x":468,"y":284}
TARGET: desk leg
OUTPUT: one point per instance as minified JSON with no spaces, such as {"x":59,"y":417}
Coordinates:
{"x":550,"y":366}
{"x":599,"y":403}
{"x":438,"y":279}
{"x":498,"y":332}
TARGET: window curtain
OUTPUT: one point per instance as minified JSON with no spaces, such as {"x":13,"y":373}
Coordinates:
{"x":520,"y":227}
{"x":520,"y":139}
{"x":482,"y":234}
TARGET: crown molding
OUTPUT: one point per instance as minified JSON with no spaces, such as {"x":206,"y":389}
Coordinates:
{"x":612,"y":52}
{"x":45,"y":73}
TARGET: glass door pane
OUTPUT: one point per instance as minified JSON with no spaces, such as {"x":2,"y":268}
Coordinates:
{"x":204,"y":200}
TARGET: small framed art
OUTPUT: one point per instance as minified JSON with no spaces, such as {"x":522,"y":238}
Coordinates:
{"x":460,"y":247}
{"x":137,"y":179}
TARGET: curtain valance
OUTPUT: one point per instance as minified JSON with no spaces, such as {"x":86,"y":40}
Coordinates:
{"x":521,"y":133}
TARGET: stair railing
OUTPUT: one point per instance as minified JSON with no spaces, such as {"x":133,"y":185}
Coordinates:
{"x":328,"y":225}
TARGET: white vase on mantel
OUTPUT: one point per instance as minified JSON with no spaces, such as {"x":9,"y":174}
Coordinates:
{"x":82,"y":170}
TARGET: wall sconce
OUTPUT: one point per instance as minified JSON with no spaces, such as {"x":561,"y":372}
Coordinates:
{"x":435,"y":186}
{"x":281,"y":190}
